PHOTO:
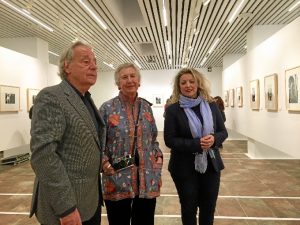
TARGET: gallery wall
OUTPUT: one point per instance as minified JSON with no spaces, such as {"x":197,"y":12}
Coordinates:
{"x":25,"y":72}
{"x":271,"y":134}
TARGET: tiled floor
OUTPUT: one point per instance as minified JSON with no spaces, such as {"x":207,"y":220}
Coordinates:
{"x":253,"y":192}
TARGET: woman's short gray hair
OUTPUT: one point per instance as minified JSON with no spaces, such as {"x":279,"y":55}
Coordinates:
{"x":124,"y":66}
{"x":67,"y":57}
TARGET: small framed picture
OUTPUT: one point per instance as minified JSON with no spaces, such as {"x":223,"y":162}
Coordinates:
{"x":254,"y":94}
{"x":157,"y":100}
{"x":231,"y":97}
{"x":31,"y":95}
{"x":226,"y":98}
{"x":292,"y":89}
{"x":9,"y":99}
{"x":239,"y":96}
{"x":271,"y":92}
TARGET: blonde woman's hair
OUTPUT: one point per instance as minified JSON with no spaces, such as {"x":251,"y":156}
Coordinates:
{"x":124,"y":66}
{"x":203,"y":85}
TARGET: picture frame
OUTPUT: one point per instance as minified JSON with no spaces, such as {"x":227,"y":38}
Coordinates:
{"x":158,"y":100}
{"x":239,"y":96}
{"x":271,"y":92}
{"x":292,"y":89}
{"x":9,"y":98}
{"x":31,"y":95}
{"x":226,"y":98}
{"x":254,"y":94}
{"x":231,"y":97}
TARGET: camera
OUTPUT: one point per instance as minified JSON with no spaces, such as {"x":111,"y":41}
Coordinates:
{"x":123,"y":162}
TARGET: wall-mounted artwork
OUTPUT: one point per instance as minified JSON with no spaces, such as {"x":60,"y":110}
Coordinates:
{"x":271,"y":92}
{"x":158,"y":100}
{"x":31,"y":95}
{"x":254,"y":94}
{"x":292,"y":89}
{"x":9,"y":98}
{"x":231,"y":97}
{"x":239,"y":96}
{"x":226,"y":98}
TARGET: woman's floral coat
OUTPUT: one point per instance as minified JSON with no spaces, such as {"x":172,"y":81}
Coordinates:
{"x":120,"y":123}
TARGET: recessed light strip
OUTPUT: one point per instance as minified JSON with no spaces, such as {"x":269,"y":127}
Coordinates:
{"x":110,"y":65}
{"x":20,"y":11}
{"x":165,"y":14}
{"x":93,"y":14}
{"x":213,"y":46}
{"x":205,"y":2}
{"x":236,"y":11}
{"x":53,"y":53}
{"x":294,"y":6}
{"x":137,"y":63}
{"x":124,"y":48}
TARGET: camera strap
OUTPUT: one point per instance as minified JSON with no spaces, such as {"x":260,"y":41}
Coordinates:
{"x":134,"y":144}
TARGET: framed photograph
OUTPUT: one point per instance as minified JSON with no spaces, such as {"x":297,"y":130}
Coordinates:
{"x":292,"y":89}
{"x":31,"y":95}
{"x":9,"y":98}
{"x":239,"y":96}
{"x":157,"y":100}
{"x":231,"y":97}
{"x":226,"y":98}
{"x":271,"y":92}
{"x":254,"y":94}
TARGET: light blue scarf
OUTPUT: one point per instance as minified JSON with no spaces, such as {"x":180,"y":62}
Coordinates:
{"x":198,"y":129}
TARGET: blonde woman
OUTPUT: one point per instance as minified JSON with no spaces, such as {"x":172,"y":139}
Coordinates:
{"x":193,"y":128}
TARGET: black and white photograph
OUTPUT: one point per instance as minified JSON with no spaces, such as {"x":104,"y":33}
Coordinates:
{"x":9,"y":98}
{"x":271,"y":92}
{"x":31,"y":95}
{"x":254,"y":94}
{"x":239,"y":96}
{"x":292,"y":85}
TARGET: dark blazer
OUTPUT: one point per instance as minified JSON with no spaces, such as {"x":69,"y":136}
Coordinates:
{"x":178,"y":137}
{"x":66,"y":155}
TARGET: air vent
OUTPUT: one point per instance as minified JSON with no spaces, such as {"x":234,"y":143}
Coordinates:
{"x":126,"y":13}
{"x":145,"y":48}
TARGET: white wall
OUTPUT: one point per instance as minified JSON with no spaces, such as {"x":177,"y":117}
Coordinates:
{"x":25,"y":72}
{"x":158,"y":82}
{"x":277,"y":130}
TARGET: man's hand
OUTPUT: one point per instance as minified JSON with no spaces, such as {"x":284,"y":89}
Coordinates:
{"x":72,"y":219}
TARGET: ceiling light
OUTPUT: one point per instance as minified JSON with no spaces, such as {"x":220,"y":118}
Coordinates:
{"x":213,"y":46}
{"x":294,"y":6}
{"x":124,"y":49}
{"x":170,"y":61}
{"x":165,"y":17}
{"x":205,"y":2}
{"x":137,"y":63}
{"x":203,"y":61}
{"x":93,"y":14}
{"x":20,"y":11}
{"x":168,"y":48}
{"x":110,"y":65}
{"x":236,"y":11}
{"x":53,"y":53}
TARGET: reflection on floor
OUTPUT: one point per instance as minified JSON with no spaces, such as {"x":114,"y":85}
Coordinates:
{"x":253,"y":192}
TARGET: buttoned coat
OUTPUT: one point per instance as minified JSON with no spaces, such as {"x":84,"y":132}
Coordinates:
{"x":178,"y":137}
{"x":66,"y":155}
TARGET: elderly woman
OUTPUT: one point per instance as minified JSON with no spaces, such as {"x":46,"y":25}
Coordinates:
{"x":132,"y":158}
{"x":193,"y":128}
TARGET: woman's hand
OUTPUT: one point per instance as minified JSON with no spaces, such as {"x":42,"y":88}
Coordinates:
{"x":159,"y":163}
{"x":108,"y":169}
{"x":207,"y":141}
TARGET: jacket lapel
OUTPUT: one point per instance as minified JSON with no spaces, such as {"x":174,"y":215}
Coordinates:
{"x":81,"y":109}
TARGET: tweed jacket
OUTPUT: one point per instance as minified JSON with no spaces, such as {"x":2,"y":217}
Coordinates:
{"x":119,"y":141}
{"x":66,"y":155}
{"x":178,"y":137}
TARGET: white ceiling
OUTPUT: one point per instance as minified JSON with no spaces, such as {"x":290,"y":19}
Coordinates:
{"x":139,"y":25}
